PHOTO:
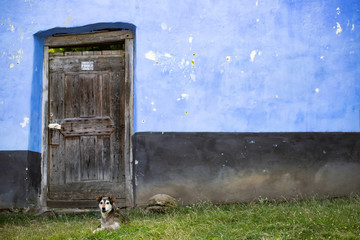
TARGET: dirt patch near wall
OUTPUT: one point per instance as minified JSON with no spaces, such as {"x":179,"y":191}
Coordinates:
{"x":230,"y":185}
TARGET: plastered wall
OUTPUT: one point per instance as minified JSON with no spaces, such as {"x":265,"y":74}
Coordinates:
{"x":229,"y":66}
{"x":213,"y":67}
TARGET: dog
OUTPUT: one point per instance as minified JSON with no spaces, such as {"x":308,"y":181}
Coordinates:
{"x":110,"y":214}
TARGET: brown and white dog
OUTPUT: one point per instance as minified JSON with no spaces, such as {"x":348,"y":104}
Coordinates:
{"x":110,"y":214}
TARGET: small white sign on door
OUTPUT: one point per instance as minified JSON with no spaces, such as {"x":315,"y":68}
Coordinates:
{"x":87,"y":66}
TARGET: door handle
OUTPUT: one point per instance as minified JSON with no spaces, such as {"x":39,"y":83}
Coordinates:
{"x":54,"y":126}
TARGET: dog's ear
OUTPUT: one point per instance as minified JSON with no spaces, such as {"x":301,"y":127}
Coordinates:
{"x":112,"y":199}
{"x":98,"y":199}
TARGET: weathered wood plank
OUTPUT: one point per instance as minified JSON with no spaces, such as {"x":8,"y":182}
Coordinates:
{"x":100,"y":63}
{"x":98,"y":95}
{"x":72,"y":159}
{"x":72,"y":102}
{"x":56,"y":166}
{"x":87,"y":53}
{"x":45,"y":170}
{"x":106,"y":159}
{"x":54,"y":137}
{"x":87,"y":94}
{"x":88,"y":159}
{"x":128,"y":131}
{"x":86,"y":190}
{"x":112,"y":52}
{"x":56,"y":97}
{"x":117,"y":106}
{"x":87,"y":126}
{"x":89,"y":38}
{"x":99,"y":156}
{"x":56,"y":114}
{"x":56,"y":104}
{"x":72,"y":54}
{"x":55,"y":54}
{"x":106,"y":94}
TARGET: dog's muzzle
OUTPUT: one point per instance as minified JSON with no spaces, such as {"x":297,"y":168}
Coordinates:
{"x":103,"y":209}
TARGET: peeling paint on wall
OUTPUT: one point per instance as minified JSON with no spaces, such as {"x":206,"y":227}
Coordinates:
{"x":156,"y":56}
{"x":25,"y":122}
{"x":184,"y":96}
{"x":165,"y":27}
{"x":338,"y":28}
{"x":10,"y":25}
{"x":252,"y":55}
{"x":11,"y":28}
{"x":69,"y":18}
{"x":30,"y":2}
{"x":167,"y":55}
{"x":14,"y":55}
{"x":338,"y":11}
{"x":153,"y":106}
{"x":193,"y":77}
{"x":151,"y":56}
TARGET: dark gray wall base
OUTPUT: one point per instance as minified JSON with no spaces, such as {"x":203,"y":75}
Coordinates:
{"x":231,"y":167}
{"x":20,"y":176}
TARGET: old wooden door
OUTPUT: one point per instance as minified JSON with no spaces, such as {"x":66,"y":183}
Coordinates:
{"x":86,"y":99}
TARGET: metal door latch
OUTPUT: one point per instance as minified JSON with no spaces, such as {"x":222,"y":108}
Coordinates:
{"x":54,"y":126}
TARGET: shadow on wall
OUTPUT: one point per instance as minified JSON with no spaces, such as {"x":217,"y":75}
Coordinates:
{"x":234,"y":167}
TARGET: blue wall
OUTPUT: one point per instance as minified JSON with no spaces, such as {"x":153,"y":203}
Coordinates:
{"x":217,"y":66}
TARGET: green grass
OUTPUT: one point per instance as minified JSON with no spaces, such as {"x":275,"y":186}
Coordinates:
{"x":312,"y":219}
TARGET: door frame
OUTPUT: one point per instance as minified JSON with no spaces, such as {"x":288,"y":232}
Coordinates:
{"x":92,"y":38}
